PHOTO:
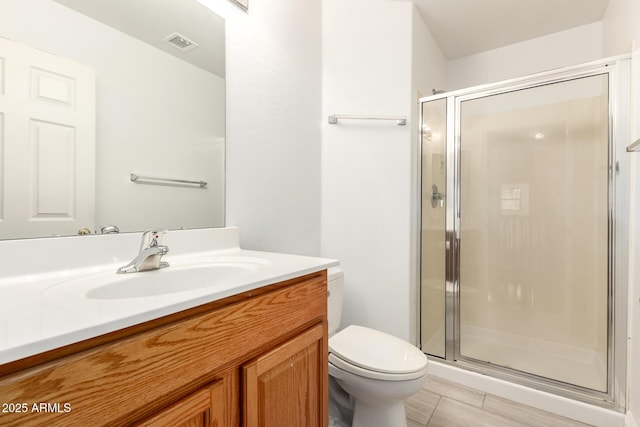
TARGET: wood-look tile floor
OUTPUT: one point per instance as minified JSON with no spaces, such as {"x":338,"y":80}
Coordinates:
{"x":441,"y":403}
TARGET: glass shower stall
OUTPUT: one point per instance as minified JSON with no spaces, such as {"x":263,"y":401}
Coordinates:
{"x":523,"y":230}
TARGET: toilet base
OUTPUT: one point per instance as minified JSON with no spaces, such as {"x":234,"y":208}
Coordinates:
{"x":375,"y":403}
{"x":379,"y":415}
{"x":340,"y":406}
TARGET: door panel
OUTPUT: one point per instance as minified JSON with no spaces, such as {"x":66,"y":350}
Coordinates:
{"x":47,"y":142}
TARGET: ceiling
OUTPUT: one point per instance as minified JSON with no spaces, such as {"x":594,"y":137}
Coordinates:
{"x":460,"y":27}
{"x":153,"y":20}
{"x":465,"y":27}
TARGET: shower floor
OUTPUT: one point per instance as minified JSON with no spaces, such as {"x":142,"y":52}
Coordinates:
{"x":561,"y":362}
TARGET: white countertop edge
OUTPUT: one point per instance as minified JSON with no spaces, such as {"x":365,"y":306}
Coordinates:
{"x":42,"y":345}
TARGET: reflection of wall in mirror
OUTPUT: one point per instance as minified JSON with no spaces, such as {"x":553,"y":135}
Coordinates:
{"x":156,"y":115}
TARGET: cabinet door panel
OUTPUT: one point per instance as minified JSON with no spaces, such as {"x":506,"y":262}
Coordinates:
{"x":199,"y":409}
{"x":285,"y":387}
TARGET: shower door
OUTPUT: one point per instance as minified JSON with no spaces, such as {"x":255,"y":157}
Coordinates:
{"x":516,"y":202}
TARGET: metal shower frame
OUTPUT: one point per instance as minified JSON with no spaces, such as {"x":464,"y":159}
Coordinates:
{"x":617,"y":69}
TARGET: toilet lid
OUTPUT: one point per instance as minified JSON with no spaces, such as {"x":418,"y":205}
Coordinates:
{"x":376,"y":351}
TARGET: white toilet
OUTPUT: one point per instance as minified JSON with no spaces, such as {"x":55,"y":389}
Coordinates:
{"x":370,"y":372}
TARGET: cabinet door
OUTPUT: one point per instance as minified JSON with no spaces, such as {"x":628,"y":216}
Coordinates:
{"x":288,"y":385}
{"x":203,"y":408}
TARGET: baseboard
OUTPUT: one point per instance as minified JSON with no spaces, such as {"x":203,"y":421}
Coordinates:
{"x":629,"y":420}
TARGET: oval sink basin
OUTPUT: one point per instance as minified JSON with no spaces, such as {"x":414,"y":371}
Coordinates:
{"x":218,"y":274}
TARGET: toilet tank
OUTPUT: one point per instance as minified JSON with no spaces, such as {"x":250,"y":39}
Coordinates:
{"x":335,"y":279}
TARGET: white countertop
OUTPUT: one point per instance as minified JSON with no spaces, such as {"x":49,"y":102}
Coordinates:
{"x":34,"y":319}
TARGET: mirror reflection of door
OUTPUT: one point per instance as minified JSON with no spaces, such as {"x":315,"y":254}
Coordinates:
{"x":47,"y":143}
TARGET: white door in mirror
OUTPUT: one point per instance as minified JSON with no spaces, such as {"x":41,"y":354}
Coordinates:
{"x":47,"y":143}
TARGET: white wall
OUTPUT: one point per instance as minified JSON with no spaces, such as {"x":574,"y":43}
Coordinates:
{"x":133,"y":78}
{"x":273,"y":123}
{"x":429,"y":64}
{"x":368,"y":167}
{"x":565,"y":48}
{"x":621,"y":34}
{"x":620,"y":26}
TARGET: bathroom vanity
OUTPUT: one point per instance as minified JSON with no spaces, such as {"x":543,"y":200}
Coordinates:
{"x":257,"y":356}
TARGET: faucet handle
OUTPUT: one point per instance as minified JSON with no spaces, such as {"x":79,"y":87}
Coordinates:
{"x":151,"y":238}
{"x":109,"y":229}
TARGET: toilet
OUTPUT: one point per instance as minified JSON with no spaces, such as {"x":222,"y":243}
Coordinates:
{"x":370,"y":373}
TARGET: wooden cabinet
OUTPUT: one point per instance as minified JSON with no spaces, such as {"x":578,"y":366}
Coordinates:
{"x":259,"y":358}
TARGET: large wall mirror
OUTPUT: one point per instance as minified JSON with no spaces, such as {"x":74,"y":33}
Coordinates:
{"x":92,"y":92}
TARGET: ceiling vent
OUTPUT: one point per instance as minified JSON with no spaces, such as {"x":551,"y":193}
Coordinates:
{"x":180,"y":42}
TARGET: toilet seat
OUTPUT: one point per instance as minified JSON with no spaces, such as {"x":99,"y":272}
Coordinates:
{"x":374,"y":354}
{"x":365,"y":373}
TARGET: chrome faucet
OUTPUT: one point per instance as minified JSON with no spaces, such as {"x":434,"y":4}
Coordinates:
{"x":150,"y":254}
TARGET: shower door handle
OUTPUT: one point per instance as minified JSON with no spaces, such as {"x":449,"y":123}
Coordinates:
{"x":437,"y":198}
